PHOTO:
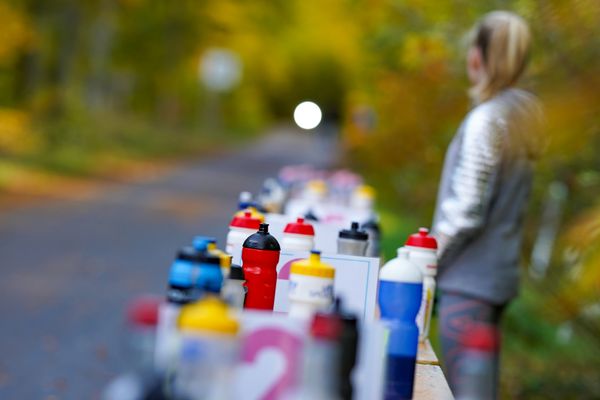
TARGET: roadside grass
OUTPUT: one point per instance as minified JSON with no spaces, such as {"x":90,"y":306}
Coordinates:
{"x":109,"y":146}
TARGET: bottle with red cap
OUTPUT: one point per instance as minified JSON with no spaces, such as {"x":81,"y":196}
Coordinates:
{"x":422,"y":251}
{"x":240,"y":228}
{"x":143,"y":382}
{"x":260,"y":255}
{"x":142,"y":316}
{"x":298,"y":236}
{"x":321,"y":360}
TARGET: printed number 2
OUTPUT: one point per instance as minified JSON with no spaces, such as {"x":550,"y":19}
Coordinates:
{"x":283,"y":342}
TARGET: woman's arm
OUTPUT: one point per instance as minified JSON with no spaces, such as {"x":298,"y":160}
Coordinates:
{"x":463,"y":211}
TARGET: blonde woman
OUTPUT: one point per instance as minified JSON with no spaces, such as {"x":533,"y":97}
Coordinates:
{"x":481,"y":203}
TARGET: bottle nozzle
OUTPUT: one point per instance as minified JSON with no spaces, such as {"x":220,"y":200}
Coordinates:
{"x":263,"y":228}
{"x":354,"y":226}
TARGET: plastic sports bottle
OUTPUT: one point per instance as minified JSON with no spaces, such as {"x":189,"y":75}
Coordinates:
{"x":320,"y":361}
{"x":353,"y":241}
{"x":210,"y":275}
{"x":422,"y":251}
{"x":311,"y":286}
{"x":240,"y":228}
{"x":180,"y":292}
{"x":400,"y":289}
{"x":209,"y":350}
{"x":260,"y":255}
{"x":298,"y":236}
{"x":234,"y":291}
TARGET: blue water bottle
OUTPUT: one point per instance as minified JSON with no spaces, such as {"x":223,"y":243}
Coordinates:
{"x":400,"y":290}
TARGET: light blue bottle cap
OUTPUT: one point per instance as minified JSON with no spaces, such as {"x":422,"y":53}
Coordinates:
{"x":181,"y":274}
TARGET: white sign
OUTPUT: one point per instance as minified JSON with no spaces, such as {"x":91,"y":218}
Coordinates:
{"x":355,"y":282}
{"x":271,"y":357}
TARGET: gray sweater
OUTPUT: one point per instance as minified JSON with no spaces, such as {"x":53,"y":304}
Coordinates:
{"x":483,"y":195}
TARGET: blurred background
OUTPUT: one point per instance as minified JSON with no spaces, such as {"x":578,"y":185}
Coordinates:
{"x":106,"y":90}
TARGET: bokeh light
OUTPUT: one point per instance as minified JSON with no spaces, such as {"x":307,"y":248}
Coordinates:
{"x":307,"y":115}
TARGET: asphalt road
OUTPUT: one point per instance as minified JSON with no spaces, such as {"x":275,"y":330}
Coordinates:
{"x":69,"y":266}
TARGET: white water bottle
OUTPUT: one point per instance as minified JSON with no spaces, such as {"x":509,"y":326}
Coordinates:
{"x":298,"y":236}
{"x":240,"y":228}
{"x":311,"y":286}
{"x":422,"y":250}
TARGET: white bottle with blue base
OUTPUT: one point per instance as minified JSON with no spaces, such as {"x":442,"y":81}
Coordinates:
{"x":400,"y":292}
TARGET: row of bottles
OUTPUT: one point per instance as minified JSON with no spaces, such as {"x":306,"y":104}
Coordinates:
{"x":193,"y":338}
{"x":346,"y":192}
{"x":196,"y":345}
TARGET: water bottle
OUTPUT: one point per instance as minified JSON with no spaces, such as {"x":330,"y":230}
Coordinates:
{"x":400,"y":291}
{"x":422,"y":251}
{"x":311,"y":286}
{"x":239,"y":229}
{"x":362,"y":203}
{"x":298,"y":236}
{"x":320,"y":361}
{"x":260,"y":255}
{"x":234,"y":291}
{"x":209,"y":350}
{"x":245,"y":200}
{"x":353,"y":241}
{"x":180,"y":291}
{"x":210,"y":275}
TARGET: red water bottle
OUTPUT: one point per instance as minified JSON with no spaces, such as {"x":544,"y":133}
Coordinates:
{"x":260,"y":255}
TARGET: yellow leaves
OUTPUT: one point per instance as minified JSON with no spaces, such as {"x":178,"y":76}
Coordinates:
{"x":585,"y":230}
{"x":428,"y":54}
{"x":15,"y":33}
{"x":582,"y":239}
{"x":571,"y":111}
{"x":15,"y":132}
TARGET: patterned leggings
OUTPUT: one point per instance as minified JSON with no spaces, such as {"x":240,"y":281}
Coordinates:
{"x":458,"y":316}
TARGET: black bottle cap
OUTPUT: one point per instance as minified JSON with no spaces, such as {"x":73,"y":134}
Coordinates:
{"x":262,"y":240}
{"x":354,"y":233}
{"x":188,"y":253}
{"x":206,"y":257}
{"x":236,"y":272}
{"x":210,"y":259}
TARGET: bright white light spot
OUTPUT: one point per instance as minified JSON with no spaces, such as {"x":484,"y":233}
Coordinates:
{"x":307,"y":115}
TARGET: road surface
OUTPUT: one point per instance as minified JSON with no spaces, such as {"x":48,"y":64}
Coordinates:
{"x":69,"y":266}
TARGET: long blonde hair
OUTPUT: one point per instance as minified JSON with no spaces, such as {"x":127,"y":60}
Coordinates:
{"x":504,"y":40}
